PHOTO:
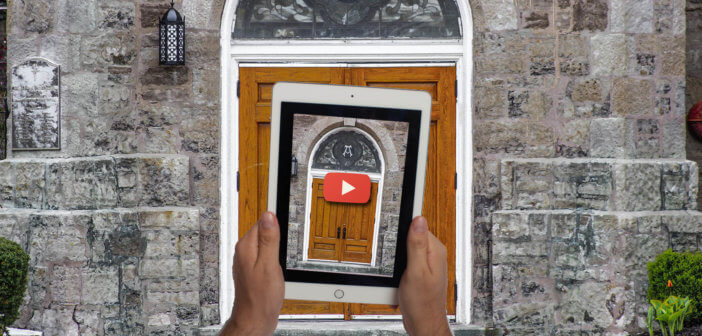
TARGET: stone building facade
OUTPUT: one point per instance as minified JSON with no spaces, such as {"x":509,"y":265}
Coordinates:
{"x":579,"y":165}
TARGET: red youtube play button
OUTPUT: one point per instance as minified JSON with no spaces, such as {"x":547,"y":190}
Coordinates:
{"x":346,"y":188}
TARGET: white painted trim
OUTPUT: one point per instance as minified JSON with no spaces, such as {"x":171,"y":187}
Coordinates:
{"x":345,"y":53}
{"x":323,"y":172}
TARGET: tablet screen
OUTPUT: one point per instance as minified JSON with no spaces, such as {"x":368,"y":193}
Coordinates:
{"x":346,"y":185}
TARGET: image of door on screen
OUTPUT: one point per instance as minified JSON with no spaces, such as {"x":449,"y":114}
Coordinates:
{"x":345,"y":194}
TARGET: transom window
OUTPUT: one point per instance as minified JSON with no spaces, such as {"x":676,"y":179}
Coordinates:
{"x":347,"y":150}
{"x":333,"y":19}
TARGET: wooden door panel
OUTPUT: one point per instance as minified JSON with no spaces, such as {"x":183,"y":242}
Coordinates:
{"x":439,"y":194}
{"x":358,"y":245}
{"x":323,"y":241}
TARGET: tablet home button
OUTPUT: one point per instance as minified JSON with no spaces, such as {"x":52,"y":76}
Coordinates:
{"x":338,"y":293}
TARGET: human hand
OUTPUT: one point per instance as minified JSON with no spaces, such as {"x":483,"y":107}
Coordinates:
{"x":258,"y":281}
{"x":422,"y":292}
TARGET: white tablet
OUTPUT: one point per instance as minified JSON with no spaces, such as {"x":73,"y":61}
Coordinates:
{"x":346,"y":177}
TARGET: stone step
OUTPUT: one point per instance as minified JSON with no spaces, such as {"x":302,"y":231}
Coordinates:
{"x":599,"y":184}
{"x":353,"y":328}
{"x":101,"y":182}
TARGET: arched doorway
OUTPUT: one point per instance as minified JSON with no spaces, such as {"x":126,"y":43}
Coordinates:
{"x":441,"y":65}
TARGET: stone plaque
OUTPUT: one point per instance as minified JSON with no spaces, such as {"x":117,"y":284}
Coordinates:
{"x":36,"y":106}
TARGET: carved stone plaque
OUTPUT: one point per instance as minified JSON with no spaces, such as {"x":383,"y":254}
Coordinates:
{"x":36,"y":105}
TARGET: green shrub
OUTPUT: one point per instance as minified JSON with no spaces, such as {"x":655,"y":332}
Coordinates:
{"x":684,"y":270}
{"x":13,"y":281}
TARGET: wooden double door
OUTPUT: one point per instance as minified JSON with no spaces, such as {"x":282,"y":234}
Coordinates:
{"x":256,"y":85}
{"x":341,"y":232}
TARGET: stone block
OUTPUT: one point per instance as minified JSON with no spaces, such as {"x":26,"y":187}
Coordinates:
{"x":100,"y":285}
{"x":590,"y":15}
{"x":608,"y":138}
{"x":59,"y":320}
{"x":632,"y":97}
{"x":164,"y":180}
{"x":29,"y":184}
{"x":109,"y":49}
{"x":632,"y":16}
{"x":634,"y":183}
{"x":35,"y":16}
{"x":582,"y":185}
{"x":490,"y":103}
{"x":585,"y":90}
{"x":77,"y":17}
{"x":7,"y":185}
{"x":674,"y":185}
{"x":673,"y":142}
{"x":169,"y":268}
{"x":81,"y":184}
{"x":500,"y":14}
{"x":533,"y":185}
{"x":58,"y":237}
{"x":175,"y":219}
{"x":118,"y":17}
{"x":609,"y":54}
{"x":65,"y":285}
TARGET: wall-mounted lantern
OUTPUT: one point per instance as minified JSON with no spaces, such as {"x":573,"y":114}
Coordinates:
{"x":293,"y":169}
{"x":171,"y":38}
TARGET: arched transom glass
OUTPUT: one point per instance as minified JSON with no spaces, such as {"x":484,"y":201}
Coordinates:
{"x":347,"y":150}
{"x":332,"y":19}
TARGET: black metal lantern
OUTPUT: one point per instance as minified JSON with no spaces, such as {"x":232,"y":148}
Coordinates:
{"x":171,"y":38}
{"x":293,"y":169}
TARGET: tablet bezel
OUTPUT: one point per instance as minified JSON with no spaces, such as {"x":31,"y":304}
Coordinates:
{"x":353,"y":288}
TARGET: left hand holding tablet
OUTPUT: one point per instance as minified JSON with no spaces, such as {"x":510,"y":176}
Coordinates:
{"x":258,"y":281}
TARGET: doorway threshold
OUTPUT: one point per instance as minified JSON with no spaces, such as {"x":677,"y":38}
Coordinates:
{"x":353,"y":328}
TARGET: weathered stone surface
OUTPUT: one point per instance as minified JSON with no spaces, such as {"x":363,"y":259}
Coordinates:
{"x":633,"y":185}
{"x":601,"y":184}
{"x":608,"y":138}
{"x":590,"y":15}
{"x":609,"y":54}
{"x":632,"y":97}
{"x":500,"y":14}
{"x":632,"y":16}
{"x":108,"y":287}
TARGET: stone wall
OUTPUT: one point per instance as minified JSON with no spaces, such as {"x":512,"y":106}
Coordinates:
{"x":137,"y":139}
{"x":590,"y":94}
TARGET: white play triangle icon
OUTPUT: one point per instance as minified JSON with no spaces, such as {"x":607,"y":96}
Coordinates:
{"x":346,"y":187}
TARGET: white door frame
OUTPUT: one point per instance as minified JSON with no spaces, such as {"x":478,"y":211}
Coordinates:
{"x":345,"y":53}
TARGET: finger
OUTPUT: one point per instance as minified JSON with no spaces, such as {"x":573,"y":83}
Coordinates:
{"x":268,"y":239}
{"x":436,"y":255}
{"x":245,"y":251}
{"x":418,"y":243}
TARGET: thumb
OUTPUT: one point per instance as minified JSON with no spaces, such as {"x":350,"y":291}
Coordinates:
{"x":268,"y":239}
{"x":417,"y":243}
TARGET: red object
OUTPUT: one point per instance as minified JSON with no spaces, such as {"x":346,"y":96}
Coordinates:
{"x":670,"y":284}
{"x":694,"y":120}
{"x":347,"y":188}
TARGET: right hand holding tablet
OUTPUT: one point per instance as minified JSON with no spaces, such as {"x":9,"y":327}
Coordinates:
{"x":422,"y":293}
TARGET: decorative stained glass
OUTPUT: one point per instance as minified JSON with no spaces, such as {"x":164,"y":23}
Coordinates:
{"x":347,"y":150}
{"x":332,"y":19}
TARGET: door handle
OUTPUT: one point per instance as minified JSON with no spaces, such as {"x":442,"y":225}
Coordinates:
{"x":338,"y":233}
{"x":344,"y":233}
